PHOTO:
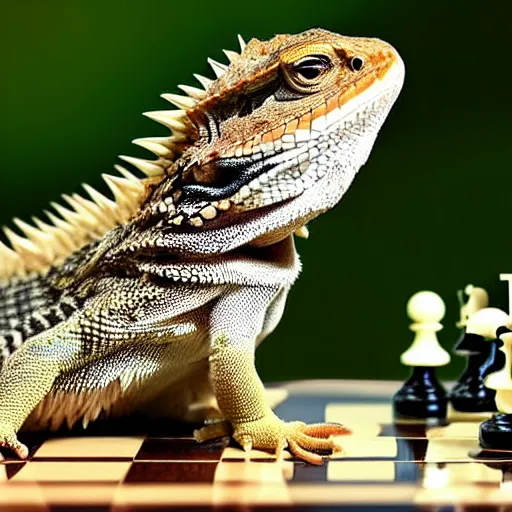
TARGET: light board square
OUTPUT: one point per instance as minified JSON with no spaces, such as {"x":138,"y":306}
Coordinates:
{"x":358,"y":414}
{"x":90,"y":447}
{"x":72,"y":472}
{"x":355,"y":471}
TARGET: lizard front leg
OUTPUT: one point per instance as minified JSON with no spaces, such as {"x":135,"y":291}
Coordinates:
{"x":237,"y":319}
{"x":25,"y":379}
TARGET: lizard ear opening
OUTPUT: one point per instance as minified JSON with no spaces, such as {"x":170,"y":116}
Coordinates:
{"x":356,"y":63}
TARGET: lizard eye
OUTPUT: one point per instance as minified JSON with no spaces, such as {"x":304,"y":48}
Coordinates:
{"x":311,"y":67}
{"x":305,"y":73}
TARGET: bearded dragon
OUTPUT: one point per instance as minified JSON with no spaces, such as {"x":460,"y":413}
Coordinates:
{"x":155,"y":301}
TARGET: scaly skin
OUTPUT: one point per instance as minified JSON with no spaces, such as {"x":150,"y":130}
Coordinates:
{"x":156,"y":302}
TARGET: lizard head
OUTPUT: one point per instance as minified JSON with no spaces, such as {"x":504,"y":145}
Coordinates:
{"x":285,"y":127}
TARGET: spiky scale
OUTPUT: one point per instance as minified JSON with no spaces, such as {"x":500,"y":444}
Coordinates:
{"x":218,"y":68}
{"x":109,"y":207}
{"x":147,"y":167}
{"x":172,"y":119}
{"x":231,"y":55}
{"x":241,"y":42}
{"x":302,"y":232}
{"x":204,"y":81}
{"x":176,"y":139}
{"x":124,"y":201}
{"x":153,"y":144}
{"x":182,"y":102}
{"x":193,"y":92}
{"x":129,"y":176}
{"x":127,"y":187}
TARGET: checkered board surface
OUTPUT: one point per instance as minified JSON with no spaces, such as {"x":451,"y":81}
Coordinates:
{"x":136,"y":465}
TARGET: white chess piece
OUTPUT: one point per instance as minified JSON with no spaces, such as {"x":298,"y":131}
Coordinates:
{"x":501,"y":380}
{"x":426,"y":310}
{"x":508,"y":277}
{"x":485,"y":322}
{"x":478,"y":299}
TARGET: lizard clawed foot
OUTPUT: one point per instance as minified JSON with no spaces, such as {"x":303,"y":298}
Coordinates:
{"x":9,"y":441}
{"x":304,"y":441}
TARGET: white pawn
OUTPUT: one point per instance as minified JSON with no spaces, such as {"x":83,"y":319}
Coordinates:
{"x":426,"y":310}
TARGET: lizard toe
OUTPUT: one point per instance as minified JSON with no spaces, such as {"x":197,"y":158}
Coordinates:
{"x":305,"y":455}
{"x":326,"y":430}
{"x":10,"y":442}
{"x":316,"y":444}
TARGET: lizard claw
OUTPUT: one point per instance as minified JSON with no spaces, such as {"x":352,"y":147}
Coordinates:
{"x":246,"y":443}
{"x":213,"y":431}
{"x":281,"y":445}
{"x":337,"y":448}
{"x":9,"y":441}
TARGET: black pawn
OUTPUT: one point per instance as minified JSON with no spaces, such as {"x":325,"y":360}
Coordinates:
{"x":422,"y":397}
{"x":483,"y":358}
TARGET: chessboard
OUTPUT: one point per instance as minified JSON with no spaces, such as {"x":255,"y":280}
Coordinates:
{"x":135,"y":464}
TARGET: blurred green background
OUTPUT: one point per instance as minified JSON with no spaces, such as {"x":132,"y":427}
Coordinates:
{"x":431,"y":209}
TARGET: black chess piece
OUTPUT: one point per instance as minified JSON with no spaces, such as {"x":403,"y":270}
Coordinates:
{"x":496,"y":433}
{"x":484,"y":357}
{"x":422,"y":397}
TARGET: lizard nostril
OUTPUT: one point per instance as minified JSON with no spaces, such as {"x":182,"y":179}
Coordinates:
{"x":356,"y":63}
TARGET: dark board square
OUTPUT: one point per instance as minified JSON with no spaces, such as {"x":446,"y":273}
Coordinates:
{"x":12,"y":468}
{"x":78,"y":508}
{"x":181,"y":449}
{"x":411,"y":450}
{"x":308,"y":473}
{"x":403,"y":430}
{"x":171,"y":472}
{"x":133,"y":426}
